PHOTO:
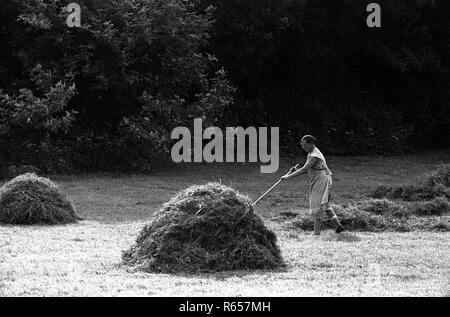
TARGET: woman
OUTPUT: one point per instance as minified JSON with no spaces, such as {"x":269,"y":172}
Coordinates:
{"x":320,"y":179}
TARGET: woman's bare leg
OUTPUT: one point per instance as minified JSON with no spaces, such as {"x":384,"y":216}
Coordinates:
{"x":332,"y":215}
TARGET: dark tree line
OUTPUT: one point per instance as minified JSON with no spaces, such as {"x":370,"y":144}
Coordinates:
{"x":315,"y":67}
{"x":108,"y":94}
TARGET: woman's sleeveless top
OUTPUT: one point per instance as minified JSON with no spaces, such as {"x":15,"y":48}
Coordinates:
{"x":320,"y":166}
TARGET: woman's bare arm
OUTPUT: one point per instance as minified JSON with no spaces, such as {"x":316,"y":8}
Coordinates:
{"x":309,"y":163}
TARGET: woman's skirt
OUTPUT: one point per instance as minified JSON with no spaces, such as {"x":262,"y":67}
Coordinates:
{"x":319,"y":191}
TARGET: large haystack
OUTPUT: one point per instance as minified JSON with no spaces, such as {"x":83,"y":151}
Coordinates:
{"x":30,"y":199}
{"x":205,"y":228}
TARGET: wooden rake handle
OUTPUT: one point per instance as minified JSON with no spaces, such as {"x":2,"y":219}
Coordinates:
{"x":274,"y":185}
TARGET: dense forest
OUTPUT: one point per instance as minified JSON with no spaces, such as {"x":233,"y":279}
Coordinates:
{"x":106,"y":95}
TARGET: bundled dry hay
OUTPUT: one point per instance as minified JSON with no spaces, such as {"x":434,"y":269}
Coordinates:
{"x":29,"y":199}
{"x":205,"y":228}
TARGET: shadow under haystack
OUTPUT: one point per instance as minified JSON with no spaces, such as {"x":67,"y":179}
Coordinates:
{"x":30,"y":199}
{"x":205,"y":228}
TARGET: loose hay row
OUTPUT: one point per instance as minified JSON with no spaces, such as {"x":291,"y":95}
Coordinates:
{"x":437,"y":184}
{"x":214,"y":228}
{"x":30,"y":199}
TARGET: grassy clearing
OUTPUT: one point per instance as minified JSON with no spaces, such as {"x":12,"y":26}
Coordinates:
{"x":84,"y":258}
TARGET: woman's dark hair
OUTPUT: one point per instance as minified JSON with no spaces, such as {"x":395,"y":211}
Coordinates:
{"x":309,"y":139}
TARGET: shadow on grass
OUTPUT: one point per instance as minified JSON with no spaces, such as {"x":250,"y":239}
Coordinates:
{"x":221,"y":276}
{"x":218,"y":276}
{"x":343,"y":237}
{"x":42,"y":224}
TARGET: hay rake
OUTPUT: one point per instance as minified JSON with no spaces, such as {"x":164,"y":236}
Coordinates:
{"x":275,"y":185}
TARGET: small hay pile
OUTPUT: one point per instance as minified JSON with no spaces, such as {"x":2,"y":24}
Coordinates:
{"x":205,"y":228}
{"x":380,"y":215}
{"x":30,"y":199}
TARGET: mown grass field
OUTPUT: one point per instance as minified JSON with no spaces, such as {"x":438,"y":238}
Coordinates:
{"x":84,"y":259}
